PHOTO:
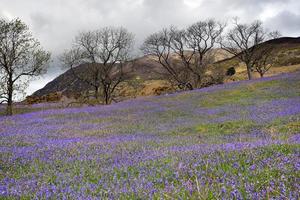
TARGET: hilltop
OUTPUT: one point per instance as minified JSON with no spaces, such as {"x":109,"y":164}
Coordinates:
{"x":145,"y":76}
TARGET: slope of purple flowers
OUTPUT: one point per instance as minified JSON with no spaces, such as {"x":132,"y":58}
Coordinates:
{"x":233,"y":141}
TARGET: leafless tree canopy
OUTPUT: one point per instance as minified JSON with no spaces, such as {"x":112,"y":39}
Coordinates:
{"x":264,"y":57}
{"x":104,"y":51}
{"x":21,"y":58}
{"x":201,"y":38}
{"x":243,"y":41}
{"x":160,"y":46}
{"x":188,"y":48}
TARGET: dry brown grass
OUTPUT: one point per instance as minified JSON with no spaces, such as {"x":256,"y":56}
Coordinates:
{"x":241,"y":73}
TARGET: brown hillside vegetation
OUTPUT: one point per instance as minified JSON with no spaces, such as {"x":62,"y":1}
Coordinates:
{"x":145,"y":76}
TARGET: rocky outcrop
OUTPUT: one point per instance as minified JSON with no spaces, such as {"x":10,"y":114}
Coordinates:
{"x":51,"y":97}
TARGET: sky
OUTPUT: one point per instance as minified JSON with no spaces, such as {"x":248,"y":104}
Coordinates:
{"x":55,"y":23}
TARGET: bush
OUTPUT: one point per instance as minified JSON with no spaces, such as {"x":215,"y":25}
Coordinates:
{"x":231,"y":71}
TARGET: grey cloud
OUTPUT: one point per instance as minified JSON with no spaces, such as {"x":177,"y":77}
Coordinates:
{"x":287,"y":22}
{"x":41,"y":21}
{"x":246,"y":10}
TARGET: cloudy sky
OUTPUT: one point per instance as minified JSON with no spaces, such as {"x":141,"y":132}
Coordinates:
{"x":56,"y":22}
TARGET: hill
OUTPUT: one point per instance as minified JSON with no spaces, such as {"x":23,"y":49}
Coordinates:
{"x":146,"y":77}
{"x":286,"y":58}
{"x":233,"y":141}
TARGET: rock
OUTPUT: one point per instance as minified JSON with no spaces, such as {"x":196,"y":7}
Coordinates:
{"x":155,"y":87}
{"x":52,"y":97}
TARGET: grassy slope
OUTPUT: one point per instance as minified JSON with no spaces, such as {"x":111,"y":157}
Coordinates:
{"x":238,"y":140}
{"x":241,"y":72}
{"x":286,"y":59}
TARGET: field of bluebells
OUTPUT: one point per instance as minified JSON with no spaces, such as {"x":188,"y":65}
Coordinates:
{"x":235,"y":141}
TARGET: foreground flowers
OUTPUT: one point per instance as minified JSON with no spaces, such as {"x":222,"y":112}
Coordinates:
{"x":235,"y":141}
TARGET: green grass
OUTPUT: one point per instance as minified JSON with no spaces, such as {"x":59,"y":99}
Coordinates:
{"x":20,"y":110}
{"x":283,"y":127}
{"x":242,"y":95}
{"x":237,"y":164}
{"x":228,"y":127}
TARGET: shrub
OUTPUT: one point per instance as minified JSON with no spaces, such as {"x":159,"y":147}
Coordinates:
{"x":231,"y":71}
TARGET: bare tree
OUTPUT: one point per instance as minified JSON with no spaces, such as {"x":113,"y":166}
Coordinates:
{"x":104,"y":53}
{"x":263,"y":61}
{"x":194,"y":45}
{"x":264,"y":55}
{"x":243,"y":40}
{"x":74,"y":59}
{"x":21,"y":58}
{"x":191,"y":46}
{"x":160,"y":47}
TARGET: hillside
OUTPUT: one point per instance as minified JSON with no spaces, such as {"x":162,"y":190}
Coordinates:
{"x":146,"y":77}
{"x":67,"y":83}
{"x":233,"y":141}
{"x":286,"y":58}
{"x":140,"y":73}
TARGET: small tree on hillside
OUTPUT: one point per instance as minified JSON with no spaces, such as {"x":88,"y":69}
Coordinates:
{"x":263,"y":64}
{"x":21,"y":58}
{"x":104,"y":53}
{"x":243,"y":41}
{"x":264,"y":55}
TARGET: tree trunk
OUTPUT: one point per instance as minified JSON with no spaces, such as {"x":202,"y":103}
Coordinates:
{"x":9,"y":108}
{"x":106,"y":99}
{"x":199,"y":81}
{"x":261,"y":75}
{"x":189,"y":86}
{"x":106,"y":95}
{"x":96,"y":95}
{"x":249,"y":72}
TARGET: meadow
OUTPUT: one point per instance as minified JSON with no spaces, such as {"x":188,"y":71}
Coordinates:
{"x":234,"y":141}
